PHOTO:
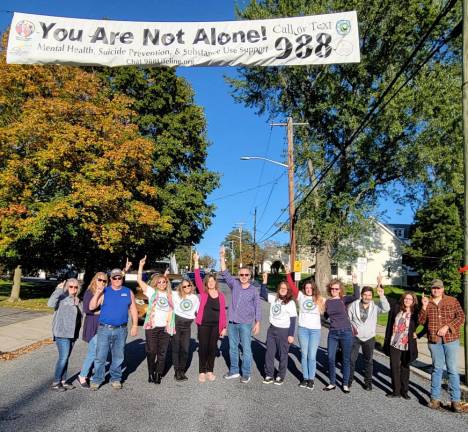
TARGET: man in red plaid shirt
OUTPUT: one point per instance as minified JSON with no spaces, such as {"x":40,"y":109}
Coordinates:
{"x":444,"y":317}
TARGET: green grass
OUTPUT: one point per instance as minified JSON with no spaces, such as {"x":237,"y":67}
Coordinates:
{"x":34,"y":295}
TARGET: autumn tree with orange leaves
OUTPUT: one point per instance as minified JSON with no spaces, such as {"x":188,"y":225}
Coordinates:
{"x":80,"y":181}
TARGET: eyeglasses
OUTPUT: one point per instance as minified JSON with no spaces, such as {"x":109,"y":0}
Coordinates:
{"x":116,"y":277}
{"x":244,"y":274}
{"x":186,"y":286}
{"x":72,"y":286}
{"x":162,"y":281}
{"x":334,"y":289}
{"x":103,"y":280}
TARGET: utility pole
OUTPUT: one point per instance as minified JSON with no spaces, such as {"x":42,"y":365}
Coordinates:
{"x":255,"y":244}
{"x":240,"y":242}
{"x":465,"y":160}
{"x":292,"y":236}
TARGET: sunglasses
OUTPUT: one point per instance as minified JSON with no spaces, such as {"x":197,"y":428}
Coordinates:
{"x":162,"y":281}
{"x":186,"y":286}
{"x":116,"y":277}
{"x":102,"y":280}
{"x":72,"y":286}
{"x":244,"y":274}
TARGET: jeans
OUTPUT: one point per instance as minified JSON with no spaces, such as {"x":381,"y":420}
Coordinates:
{"x":90,"y":356}
{"x":113,"y":339}
{"x":240,"y":333}
{"x":445,"y":355}
{"x":345,"y":339}
{"x":64,"y":347}
{"x":367,"y":353}
{"x":309,"y":341}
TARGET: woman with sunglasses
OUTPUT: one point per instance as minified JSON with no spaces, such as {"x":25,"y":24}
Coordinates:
{"x":90,"y":326}
{"x":211,"y":321}
{"x":65,"y":328}
{"x":158,"y":322}
{"x":186,"y":305}
{"x":340,"y":331}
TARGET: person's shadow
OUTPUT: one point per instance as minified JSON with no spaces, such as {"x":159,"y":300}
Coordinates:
{"x":135,"y":354}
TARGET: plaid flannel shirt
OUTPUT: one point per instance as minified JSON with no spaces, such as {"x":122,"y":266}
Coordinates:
{"x":448,"y":312}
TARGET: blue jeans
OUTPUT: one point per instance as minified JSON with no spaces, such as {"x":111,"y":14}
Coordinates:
{"x":240,"y":333}
{"x":445,"y":355}
{"x":345,"y":339}
{"x":64,"y":346}
{"x":309,"y":341}
{"x":113,"y":339}
{"x":90,"y":356}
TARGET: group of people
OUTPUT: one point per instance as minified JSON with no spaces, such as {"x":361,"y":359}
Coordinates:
{"x":352,"y":326}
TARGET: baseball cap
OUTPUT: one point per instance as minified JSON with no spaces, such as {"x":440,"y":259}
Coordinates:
{"x":116,"y":272}
{"x":437,"y":283}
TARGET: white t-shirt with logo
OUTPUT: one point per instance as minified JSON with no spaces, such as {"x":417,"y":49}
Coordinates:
{"x":280,"y":313}
{"x":185,"y":307}
{"x":161,"y":309}
{"x":309,"y":312}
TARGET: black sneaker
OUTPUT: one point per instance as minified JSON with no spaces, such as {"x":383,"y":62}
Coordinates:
{"x":267,"y":380}
{"x":279,"y":381}
{"x":303,"y":384}
{"x":68,"y":386}
{"x":310,"y":384}
{"x":58,"y":387}
{"x":368,"y":387}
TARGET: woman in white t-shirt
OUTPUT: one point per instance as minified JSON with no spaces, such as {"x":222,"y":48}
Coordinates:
{"x":186,"y":305}
{"x":158,"y":322}
{"x":311,"y":306}
{"x":280,"y":334}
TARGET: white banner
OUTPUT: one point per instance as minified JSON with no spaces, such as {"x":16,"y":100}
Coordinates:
{"x":320,"y":39}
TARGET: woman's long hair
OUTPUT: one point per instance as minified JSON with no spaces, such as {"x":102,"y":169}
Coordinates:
{"x":289,"y":295}
{"x":180,"y":289}
{"x":335,"y":282}
{"x":153,"y":282}
{"x":207,"y":278}
{"x":315,"y":290}
{"x":402,"y":301}
{"x":93,"y":284}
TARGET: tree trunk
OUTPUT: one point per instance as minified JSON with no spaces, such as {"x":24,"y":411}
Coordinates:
{"x":323,"y":268}
{"x":15,"y":289}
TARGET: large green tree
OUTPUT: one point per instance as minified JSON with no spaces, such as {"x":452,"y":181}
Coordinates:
{"x":92,"y":171}
{"x":401,"y":145}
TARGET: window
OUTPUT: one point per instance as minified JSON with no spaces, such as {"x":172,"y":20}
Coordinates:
{"x":389,"y":272}
{"x":334,"y":269}
{"x":349,"y":270}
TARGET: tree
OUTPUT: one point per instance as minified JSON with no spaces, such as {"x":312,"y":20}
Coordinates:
{"x":436,"y":249}
{"x":79,"y":180}
{"x":207,"y":262}
{"x":410,"y":141}
{"x":183,"y":257}
{"x":232,"y":239}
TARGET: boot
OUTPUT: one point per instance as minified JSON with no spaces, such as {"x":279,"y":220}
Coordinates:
{"x":157,"y":378}
{"x":183,"y":377}
{"x":150,"y":369}
{"x":177,"y":375}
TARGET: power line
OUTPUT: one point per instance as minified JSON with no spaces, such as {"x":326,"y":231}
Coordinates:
{"x":243,"y":191}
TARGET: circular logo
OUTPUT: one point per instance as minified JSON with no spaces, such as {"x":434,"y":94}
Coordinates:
{"x":308,"y":306}
{"x":276,"y":309}
{"x":162,"y":303}
{"x":343,"y":27}
{"x":186,"y":305}
{"x":24,"y":29}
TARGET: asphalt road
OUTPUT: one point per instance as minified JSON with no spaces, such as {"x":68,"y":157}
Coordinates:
{"x":27,"y":403}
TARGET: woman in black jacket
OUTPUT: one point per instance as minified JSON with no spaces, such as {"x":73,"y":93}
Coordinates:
{"x":400,"y":342}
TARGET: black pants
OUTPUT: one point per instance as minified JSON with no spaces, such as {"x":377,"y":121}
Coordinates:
{"x":207,"y":346}
{"x":400,"y":370}
{"x":367,"y":353}
{"x":276,"y":342}
{"x":181,"y":342}
{"x":157,"y":341}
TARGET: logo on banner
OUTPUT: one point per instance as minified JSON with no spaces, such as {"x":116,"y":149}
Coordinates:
{"x":24,"y":29}
{"x":343,"y":27}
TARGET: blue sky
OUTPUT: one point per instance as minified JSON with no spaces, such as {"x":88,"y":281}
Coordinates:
{"x":233,"y":130}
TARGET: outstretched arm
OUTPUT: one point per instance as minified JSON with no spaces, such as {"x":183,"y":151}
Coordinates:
{"x":143,"y":285}
{"x":196,"y":267}
{"x":291,"y":283}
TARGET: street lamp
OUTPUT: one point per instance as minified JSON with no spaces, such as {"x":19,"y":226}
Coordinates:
{"x":262,"y":158}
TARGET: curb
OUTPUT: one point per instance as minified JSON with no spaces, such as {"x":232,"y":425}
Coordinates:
{"x":11,"y":355}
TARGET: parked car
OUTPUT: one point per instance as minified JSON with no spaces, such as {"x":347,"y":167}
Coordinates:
{"x":142,"y":301}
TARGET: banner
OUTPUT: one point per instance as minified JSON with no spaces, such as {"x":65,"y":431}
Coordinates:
{"x":308,"y":40}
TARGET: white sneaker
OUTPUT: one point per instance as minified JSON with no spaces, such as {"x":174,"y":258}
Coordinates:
{"x":229,"y":376}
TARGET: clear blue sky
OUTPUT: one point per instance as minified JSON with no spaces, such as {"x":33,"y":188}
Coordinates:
{"x":233,"y":130}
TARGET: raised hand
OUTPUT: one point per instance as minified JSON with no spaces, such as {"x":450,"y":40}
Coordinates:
{"x":354,"y":278}
{"x":379,"y":280}
{"x":196,"y":257}
{"x":142,"y":261}
{"x":222,"y":252}
{"x":380,"y":291}
{"x":286,"y":268}
{"x":167,"y":271}
{"x":265,"y":278}
{"x":128,"y":265}
{"x":424,"y":301}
